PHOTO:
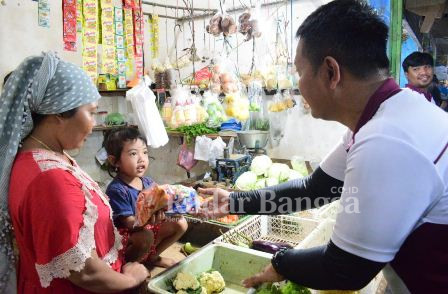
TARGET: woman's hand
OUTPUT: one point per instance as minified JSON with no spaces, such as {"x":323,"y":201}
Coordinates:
{"x":98,"y":277}
{"x":216,"y":206}
{"x":268,"y":275}
{"x":136,"y":271}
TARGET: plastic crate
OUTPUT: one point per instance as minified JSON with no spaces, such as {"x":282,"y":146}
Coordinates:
{"x":234,"y":263}
{"x":321,"y":236}
{"x":241,"y":218}
{"x":281,"y":228}
{"x":329,"y":211}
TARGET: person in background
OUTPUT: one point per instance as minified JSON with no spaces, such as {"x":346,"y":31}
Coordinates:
{"x":61,"y":219}
{"x":128,"y":158}
{"x":419,"y":70}
{"x":390,"y":169}
{"x":436,"y":91}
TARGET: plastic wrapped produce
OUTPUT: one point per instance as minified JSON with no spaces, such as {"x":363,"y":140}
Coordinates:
{"x":216,"y":114}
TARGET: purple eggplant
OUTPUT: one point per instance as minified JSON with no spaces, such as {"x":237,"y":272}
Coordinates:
{"x":269,"y":247}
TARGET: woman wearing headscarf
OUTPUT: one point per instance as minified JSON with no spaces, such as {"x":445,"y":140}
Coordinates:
{"x":61,"y":219}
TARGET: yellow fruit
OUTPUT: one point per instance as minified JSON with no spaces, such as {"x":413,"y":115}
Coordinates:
{"x":230,"y":111}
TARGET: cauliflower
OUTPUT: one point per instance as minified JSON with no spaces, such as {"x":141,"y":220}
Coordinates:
{"x":184,"y":281}
{"x":260,"y":165}
{"x":260,"y":184}
{"x":213,"y":282}
{"x":279,"y":171}
{"x":246,"y":181}
{"x":271,"y":182}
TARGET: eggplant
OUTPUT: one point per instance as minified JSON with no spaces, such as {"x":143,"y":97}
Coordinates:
{"x":269,"y":247}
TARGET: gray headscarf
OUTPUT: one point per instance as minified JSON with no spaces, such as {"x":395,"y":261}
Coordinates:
{"x":44,"y":85}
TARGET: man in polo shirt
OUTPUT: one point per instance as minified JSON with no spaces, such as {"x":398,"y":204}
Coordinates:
{"x":418,"y":68}
{"x":392,"y":164}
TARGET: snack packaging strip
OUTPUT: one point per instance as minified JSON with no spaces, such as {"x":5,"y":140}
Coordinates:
{"x":89,"y":37}
{"x":107,"y":14}
{"x":89,"y":51}
{"x":79,"y":16}
{"x":119,"y":41}
{"x":118,"y":14}
{"x":119,"y":28}
{"x":121,"y":68}
{"x":121,"y":81}
{"x":106,"y":3}
{"x":121,"y":55}
{"x":69,"y":25}
{"x":44,"y":13}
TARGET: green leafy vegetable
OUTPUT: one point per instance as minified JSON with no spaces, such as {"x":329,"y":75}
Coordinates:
{"x":287,"y":288}
{"x":193,"y":131}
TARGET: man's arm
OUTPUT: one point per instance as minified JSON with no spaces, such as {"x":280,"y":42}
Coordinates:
{"x":295,"y":195}
{"x":326,"y":268}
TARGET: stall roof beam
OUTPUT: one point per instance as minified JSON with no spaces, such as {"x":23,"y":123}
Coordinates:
{"x":177,"y":7}
{"x":235,"y":9}
{"x":162,"y":16}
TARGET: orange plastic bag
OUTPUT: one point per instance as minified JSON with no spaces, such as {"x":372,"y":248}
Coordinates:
{"x":149,"y":201}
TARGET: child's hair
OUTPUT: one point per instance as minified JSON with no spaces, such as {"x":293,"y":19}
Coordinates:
{"x":114,"y":142}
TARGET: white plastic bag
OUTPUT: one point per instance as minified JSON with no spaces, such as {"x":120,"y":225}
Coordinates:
{"x":216,"y":151}
{"x":202,"y":148}
{"x":146,"y":113}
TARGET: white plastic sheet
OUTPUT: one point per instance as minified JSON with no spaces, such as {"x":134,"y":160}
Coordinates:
{"x":146,"y":113}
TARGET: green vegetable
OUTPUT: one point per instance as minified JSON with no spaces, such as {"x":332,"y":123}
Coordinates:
{"x":114,"y":119}
{"x":188,"y":248}
{"x":287,"y":288}
{"x":193,"y":131}
{"x":293,"y":288}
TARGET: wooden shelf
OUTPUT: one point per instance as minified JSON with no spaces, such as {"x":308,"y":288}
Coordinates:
{"x":170,"y":133}
{"x":211,"y":136}
{"x":107,"y":128}
{"x":118,"y":92}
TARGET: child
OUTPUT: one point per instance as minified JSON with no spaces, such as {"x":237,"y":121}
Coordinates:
{"x":128,"y":159}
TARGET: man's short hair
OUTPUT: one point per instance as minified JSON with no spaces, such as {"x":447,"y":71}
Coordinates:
{"x":417,"y":59}
{"x":349,"y":31}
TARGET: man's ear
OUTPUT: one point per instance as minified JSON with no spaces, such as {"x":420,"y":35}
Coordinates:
{"x":331,"y":71}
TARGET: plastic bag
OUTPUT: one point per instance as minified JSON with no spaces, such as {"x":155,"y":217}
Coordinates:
{"x":237,"y":106}
{"x":186,"y":159}
{"x":149,"y":201}
{"x":202,"y":148}
{"x":179,"y":100}
{"x":215,"y":111}
{"x":184,"y":199}
{"x":216,"y":151}
{"x":147,"y":114}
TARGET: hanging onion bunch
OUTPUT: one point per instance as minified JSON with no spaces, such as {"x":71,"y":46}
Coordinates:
{"x":224,"y":24}
{"x":248,"y":26}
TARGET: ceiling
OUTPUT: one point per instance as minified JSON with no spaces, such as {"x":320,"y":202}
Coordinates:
{"x":429,"y":16}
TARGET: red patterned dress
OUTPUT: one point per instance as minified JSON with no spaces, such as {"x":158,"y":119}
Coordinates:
{"x":59,"y":216}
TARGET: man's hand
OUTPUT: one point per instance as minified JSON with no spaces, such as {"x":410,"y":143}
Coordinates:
{"x":216,"y":206}
{"x":268,"y":275}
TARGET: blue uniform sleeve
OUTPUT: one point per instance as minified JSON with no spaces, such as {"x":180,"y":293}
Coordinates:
{"x":120,"y":201}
